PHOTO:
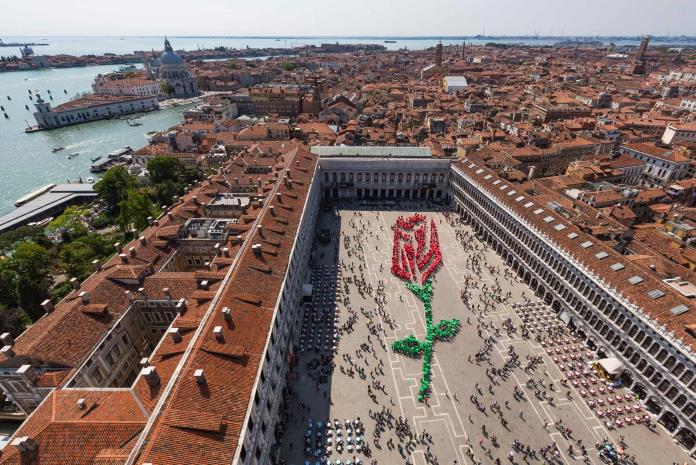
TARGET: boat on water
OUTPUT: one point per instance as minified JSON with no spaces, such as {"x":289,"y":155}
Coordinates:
{"x":34,"y":194}
{"x":389,"y":41}
{"x":73,"y":155}
{"x":96,"y":158}
{"x":58,"y":149}
{"x":90,"y":180}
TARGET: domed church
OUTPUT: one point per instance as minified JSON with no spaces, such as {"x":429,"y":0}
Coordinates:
{"x":169,"y":67}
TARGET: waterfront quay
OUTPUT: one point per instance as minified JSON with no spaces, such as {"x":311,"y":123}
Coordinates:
{"x":27,"y":161}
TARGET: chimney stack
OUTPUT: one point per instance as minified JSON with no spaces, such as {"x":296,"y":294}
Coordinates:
{"x":7,"y":351}
{"x":200,"y":376}
{"x":85,"y":297}
{"x":227,"y":313}
{"x":75,"y":283}
{"x":123,"y":257}
{"x":217,"y":331}
{"x":47,"y":305}
{"x":150,"y":220}
{"x":150,"y":375}
{"x":226,"y":251}
{"x":142,"y":240}
{"x":27,"y":372}
{"x":26,"y":447}
{"x":279,"y":196}
{"x":132,"y":251}
{"x":256,"y":248}
{"x":272,"y":210}
{"x":82,"y":403}
{"x":175,"y":334}
{"x":129,"y":295}
{"x":118,"y":247}
{"x":97,"y":265}
{"x":6,"y":339}
{"x":181,"y":306}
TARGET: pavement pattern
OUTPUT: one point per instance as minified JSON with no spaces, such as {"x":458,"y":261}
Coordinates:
{"x":448,"y":428}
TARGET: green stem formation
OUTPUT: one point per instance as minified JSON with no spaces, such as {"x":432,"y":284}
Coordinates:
{"x":413,"y":347}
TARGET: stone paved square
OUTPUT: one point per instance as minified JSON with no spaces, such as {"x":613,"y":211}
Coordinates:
{"x":360,"y":248}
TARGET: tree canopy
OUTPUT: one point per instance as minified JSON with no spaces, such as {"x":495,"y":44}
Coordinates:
{"x":114,"y":186}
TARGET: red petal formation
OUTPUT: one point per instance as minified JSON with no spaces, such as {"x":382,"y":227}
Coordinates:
{"x":407,"y":261}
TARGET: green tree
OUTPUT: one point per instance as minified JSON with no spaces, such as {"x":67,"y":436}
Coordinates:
{"x":71,"y":223}
{"x":31,"y":264}
{"x":77,"y":258}
{"x":134,"y":211}
{"x":166,"y":190}
{"x":165,"y":168}
{"x":8,"y":285}
{"x":114,"y":186}
{"x":166,"y":89}
{"x":287,"y":66}
{"x":101,"y":245}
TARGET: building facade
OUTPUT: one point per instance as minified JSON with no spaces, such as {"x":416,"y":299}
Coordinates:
{"x":553,"y":261}
{"x":90,"y":108}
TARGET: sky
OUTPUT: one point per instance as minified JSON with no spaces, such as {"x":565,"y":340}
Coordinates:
{"x":347,"y":18}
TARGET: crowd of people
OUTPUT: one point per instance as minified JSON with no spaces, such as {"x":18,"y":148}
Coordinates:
{"x":360,"y":298}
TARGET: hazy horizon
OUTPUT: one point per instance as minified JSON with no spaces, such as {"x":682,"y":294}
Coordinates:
{"x":361,"y":18}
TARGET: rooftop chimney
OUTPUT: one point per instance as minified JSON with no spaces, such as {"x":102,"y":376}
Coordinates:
{"x":82,"y":403}
{"x":129,"y":295}
{"x":217,"y":331}
{"x":6,"y":339}
{"x":272,"y":210}
{"x":144,"y":362}
{"x":167,"y":293}
{"x":47,"y":305}
{"x":195,"y":200}
{"x":226,"y":251}
{"x":85,"y":297}
{"x":26,"y":447}
{"x":259,"y":229}
{"x":150,"y":220}
{"x":256,"y":248}
{"x":279,"y":196}
{"x":7,"y":351}
{"x":141,"y":291}
{"x":123,"y":257}
{"x":181,"y":306}
{"x":288,"y":173}
{"x":132,"y":251}
{"x":27,"y":372}
{"x":97,"y":265}
{"x":200,"y":377}
{"x":142,"y":240}
{"x":118,"y":247}
{"x":150,"y":375}
{"x":175,"y":334}
{"x":227,"y":313}
{"x":75,"y":283}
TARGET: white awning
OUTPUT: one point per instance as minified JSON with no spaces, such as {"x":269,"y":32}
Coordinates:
{"x":611,"y":365}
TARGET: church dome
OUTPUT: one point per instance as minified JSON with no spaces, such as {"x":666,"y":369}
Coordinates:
{"x":169,"y":57}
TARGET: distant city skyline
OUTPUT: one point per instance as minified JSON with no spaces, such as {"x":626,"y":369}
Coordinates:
{"x":359,"y":18}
